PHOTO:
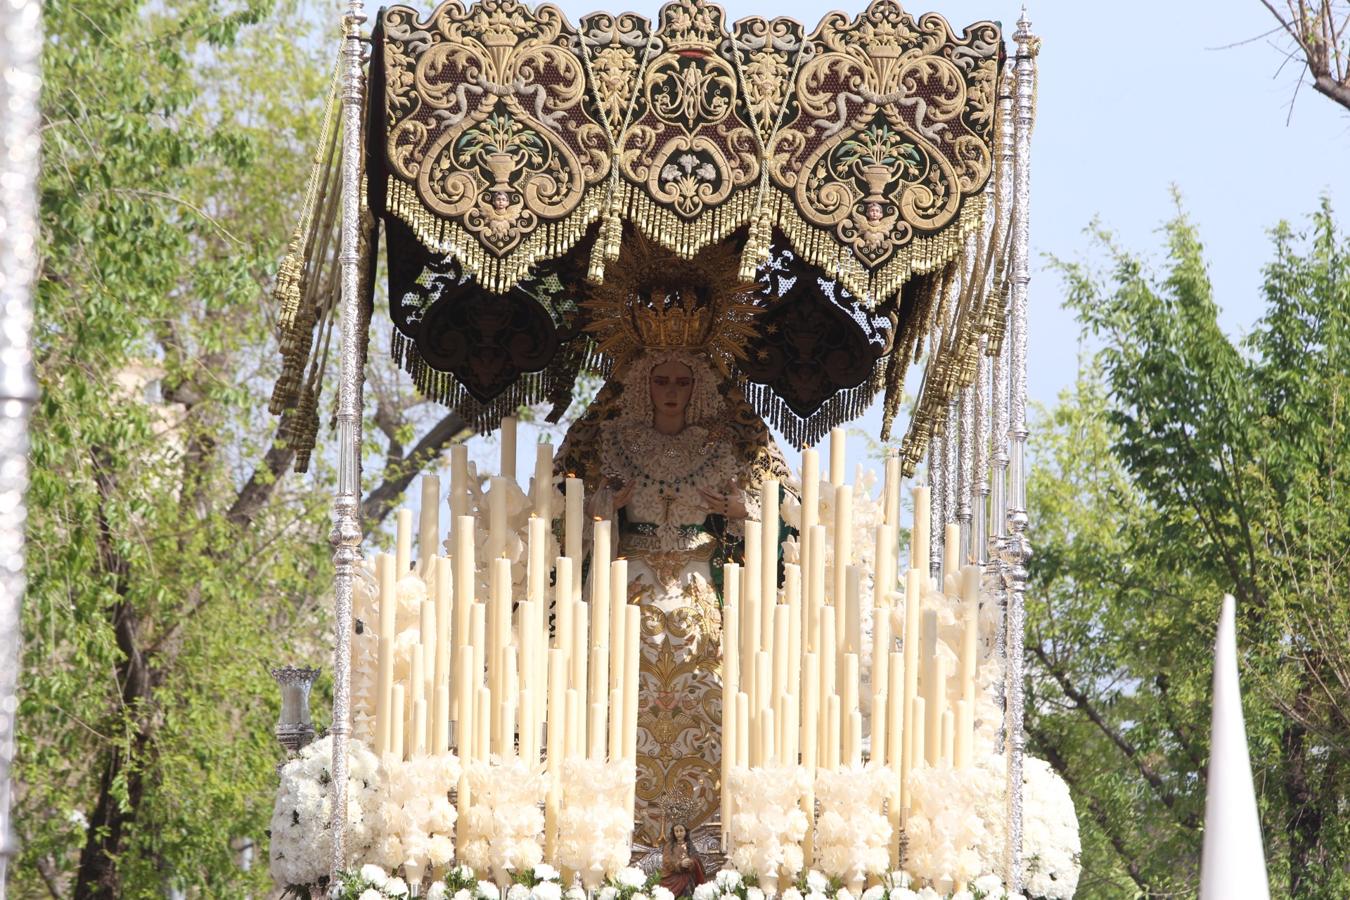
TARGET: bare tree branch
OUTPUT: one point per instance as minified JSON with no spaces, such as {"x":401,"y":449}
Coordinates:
{"x":1319,"y":34}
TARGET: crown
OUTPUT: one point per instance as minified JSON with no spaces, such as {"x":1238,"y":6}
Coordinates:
{"x":656,"y":300}
{"x":683,"y":325}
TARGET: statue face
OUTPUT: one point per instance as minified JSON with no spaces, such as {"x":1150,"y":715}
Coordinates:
{"x":672,"y":384}
{"x":680,"y":833}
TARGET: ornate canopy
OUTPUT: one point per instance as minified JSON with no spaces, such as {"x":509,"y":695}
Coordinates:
{"x":842,"y":175}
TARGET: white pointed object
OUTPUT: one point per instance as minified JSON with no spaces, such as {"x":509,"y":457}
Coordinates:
{"x":1233,"y":863}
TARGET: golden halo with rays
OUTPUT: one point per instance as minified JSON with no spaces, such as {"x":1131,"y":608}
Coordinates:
{"x":654,"y":299}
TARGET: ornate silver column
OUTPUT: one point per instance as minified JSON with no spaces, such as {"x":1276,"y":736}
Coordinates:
{"x":967,"y":471}
{"x":346,"y":534}
{"x":1018,"y":550}
{"x":998,"y":505}
{"x":20,"y":57}
{"x":979,"y":538}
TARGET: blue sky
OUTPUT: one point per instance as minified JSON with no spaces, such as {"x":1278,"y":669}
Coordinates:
{"x":1135,"y":98}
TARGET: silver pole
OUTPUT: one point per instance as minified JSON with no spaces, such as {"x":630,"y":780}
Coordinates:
{"x":346,"y":534}
{"x":20,"y":57}
{"x":980,"y":514}
{"x":998,"y":511}
{"x":1018,"y":547}
{"x":967,"y":471}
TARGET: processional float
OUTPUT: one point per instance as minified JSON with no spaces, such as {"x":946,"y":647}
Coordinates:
{"x":808,"y":213}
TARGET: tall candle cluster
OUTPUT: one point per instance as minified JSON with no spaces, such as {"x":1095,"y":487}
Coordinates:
{"x":489,"y":677}
{"x":793,"y":653}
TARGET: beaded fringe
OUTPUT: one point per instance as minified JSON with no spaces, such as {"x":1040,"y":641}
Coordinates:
{"x":552,"y":384}
{"x":844,"y":406}
{"x":682,"y":236}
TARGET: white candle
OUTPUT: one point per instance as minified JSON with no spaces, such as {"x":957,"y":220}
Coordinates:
{"x":884,"y":582}
{"x":599,"y":701}
{"x":920,"y":536}
{"x":948,"y":738}
{"x":815,"y":587}
{"x":767,"y":751}
{"x":499,"y":627}
{"x":970,"y":610}
{"x":615,"y":723}
{"x":913,"y":607}
{"x":465,"y":575}
{"x":600,"y":560}
{"x":755,"y":595}
{"x":573,"y":729}
{"x":891,"y":508}
{"x":562,"y":605}
{"x":508,"y":462}
{"x":731,"y":650}
{"x":810,"y":489}
{"x":509,"y":705}
{"x":458,"y":499}
{"x":742,"y":729}
{"x":396,"y":716}
{"x":384,"y":696}
{"x":881,"y":661}
{"x":543,"y":481}
{"x":419,"y":727}
{"x":965,"y":728}
{"x":632,"y":673}
{"x":482,"y":713}
{"x":843,"y":538}
{"x":388,"y":583}
{"x":855,"y":738}
{"x":537,"y":569}
{"x":441,"y":718}
{"x":853,"y":608}
{"x":838,"y":455}
{"x":779,"y":653}
{"x":792,"y":592}
{"x":810,"y":712}
{"x":574,"y":500}
{"x":829,"y":669}
{"x":496,"y":518}
{"x":832,"y":736}
{"x":466,"y":688}
{"x":426,"y":634}
{"x":951,"y":553}
{"x":768,"y":554}
{"x":618,"y":601}
{"x":917,"y":738}
{"x":895,"y":717}
{"x":556,"y":719}
{"x":429,"y":522}
{"x":403,"y":544}
{"x":581,"y":655}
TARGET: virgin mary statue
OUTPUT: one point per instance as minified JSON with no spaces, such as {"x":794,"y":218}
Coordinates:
{"x":673,"y":455}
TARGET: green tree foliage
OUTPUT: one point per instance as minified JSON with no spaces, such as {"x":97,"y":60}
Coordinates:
{"x":173,"y":559}
{"x":1183,"y":467}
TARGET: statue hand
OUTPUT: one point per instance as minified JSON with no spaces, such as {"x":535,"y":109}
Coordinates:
{"x":731,"y":504}
{"x":624,"y":495}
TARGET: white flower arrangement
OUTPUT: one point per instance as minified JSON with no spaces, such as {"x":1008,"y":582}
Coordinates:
{"x":301,"y":842}
{"x":814,"y":885}
{"x":946,"y":828}
{"x":631,"y":883}
{"x":370,"y":882}
{"x":1051,"y":849}
{"x":595,"y":830}
{"x":415,"y":817}
{"x":853,"y":834}
{"x":504,"y":823}
{"x":769,"y":825}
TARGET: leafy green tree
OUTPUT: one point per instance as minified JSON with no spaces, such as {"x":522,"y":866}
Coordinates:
{"x":172,"y":557}
{"x":1184,"y":466}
